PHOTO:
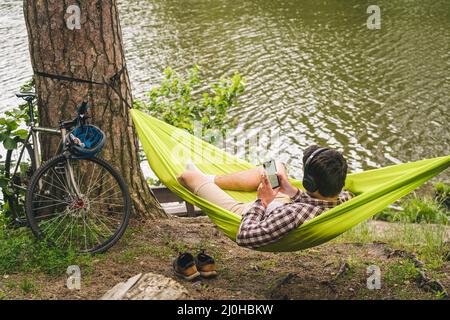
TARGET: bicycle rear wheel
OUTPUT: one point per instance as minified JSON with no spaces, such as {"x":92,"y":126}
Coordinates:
{"x":88,"y":213}
{"x":14,"y":192}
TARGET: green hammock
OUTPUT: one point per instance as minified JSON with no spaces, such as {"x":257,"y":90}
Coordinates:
{"x":168,"y":148}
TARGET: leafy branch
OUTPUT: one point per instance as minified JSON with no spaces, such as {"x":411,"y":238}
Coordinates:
{"x":183,"y":101}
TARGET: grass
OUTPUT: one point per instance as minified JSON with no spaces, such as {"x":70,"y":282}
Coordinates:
{"x":442,"y":194}
{"x":21,"y":252}
{"x":425,"y":209}
{"x":417,"y":210}
{"x":28,"y":285}
{"x":360,"y":234}
{"x":402,"y":273}
{"x":428,"y":241}
{"x":26,"y":260}
{"x":420,"y":228}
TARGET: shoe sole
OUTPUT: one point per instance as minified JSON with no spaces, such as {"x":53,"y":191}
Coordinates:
{"x":208,"y":274}
{"x":188,"y":278}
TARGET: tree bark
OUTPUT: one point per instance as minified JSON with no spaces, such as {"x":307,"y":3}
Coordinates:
{"x":94,"y":51}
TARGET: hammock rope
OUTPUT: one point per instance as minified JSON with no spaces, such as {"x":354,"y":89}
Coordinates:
{"x":168,"y":149}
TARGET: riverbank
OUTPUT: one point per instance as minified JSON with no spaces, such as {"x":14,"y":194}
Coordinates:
{"x":336,"y":270}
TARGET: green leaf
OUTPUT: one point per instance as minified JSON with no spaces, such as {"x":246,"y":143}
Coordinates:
{"x":22,"y":134}
{"x":9,"y":144}
{"x":12,"y":125}
{"x":3,"y":182}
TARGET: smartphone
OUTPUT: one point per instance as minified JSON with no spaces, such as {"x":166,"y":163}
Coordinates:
{"x":271,"y":170}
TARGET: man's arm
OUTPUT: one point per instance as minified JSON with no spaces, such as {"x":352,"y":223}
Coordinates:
{"x":258,"y":229}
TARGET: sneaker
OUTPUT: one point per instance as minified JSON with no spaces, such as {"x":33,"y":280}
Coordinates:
{"x":205,"y":265}
{"x":184,"y":267}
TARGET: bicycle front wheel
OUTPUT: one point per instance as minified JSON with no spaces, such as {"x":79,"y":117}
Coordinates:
{"x":79,"y":204}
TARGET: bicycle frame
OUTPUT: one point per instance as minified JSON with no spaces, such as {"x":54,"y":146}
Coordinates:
{"x":33,"y":134}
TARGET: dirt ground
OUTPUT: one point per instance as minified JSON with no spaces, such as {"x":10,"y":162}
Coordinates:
{"x":336,"y":270}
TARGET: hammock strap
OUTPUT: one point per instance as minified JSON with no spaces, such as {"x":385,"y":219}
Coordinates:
{"x":111,"y":83}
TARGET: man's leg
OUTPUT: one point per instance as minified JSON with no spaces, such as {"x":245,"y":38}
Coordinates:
{"x":247,"y":180}
{"x":199,"y":184}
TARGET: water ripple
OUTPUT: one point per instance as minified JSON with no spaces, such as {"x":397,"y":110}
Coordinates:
{"x":315,"y":73}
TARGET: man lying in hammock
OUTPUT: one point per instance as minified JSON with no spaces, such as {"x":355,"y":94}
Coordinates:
{"x":276,"y":212}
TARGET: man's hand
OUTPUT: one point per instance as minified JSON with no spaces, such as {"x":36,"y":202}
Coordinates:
{"x":285,"y":186}
{"x":265,"y":192}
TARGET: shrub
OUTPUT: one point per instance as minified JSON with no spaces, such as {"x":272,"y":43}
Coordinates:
{"x":10,"y":136}
{"x":417,"y":210}
{"x":10,"y":132}
{"x":183,"y":101}
{"x":442,"y":194}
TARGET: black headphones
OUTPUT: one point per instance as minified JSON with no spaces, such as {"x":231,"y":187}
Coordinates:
{"x":308,"y":180}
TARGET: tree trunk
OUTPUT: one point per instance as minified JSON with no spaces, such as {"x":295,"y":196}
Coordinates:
{"x":91,"y":49}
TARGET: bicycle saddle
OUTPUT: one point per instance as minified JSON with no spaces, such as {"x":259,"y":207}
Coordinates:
{"x":26,"y":95}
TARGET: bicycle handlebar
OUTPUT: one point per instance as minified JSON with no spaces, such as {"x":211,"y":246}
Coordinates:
{"x":80,"y":119}
{"x":83,"y":108}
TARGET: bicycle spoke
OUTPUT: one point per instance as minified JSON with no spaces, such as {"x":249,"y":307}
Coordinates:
{"x":101,"y":221}
{"x":46,"y":197}
{"x":86,"y":220}
{"x":49,"y":206}
{"x":41,"y":217}
{"x":48,"y":222}
{"x":62,"y":183}
{"x":90,"y":184}
{"x":51,"y":184}
{"x":92,"y":232}
{"x":54,"y":230}
{"x":50,"y":200}
{"x":118,"y":192}
{"x":108,"y":203}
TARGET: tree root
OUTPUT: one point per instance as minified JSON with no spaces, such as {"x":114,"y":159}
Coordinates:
{"x":278,"y":284}
{"x":423,"y":281}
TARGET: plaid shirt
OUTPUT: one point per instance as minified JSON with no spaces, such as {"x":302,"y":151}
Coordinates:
{"x":259,"y":228}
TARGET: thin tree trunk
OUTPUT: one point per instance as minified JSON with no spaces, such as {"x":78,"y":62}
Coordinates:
{"x":94,"y":51}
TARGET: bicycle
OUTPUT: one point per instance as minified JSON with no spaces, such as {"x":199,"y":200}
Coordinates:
{"x":75,"y":199}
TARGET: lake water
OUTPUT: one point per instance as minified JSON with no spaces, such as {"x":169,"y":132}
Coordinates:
{"x":315,"y":72}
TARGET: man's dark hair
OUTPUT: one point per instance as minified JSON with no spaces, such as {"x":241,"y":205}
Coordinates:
{"x":329,"y":170}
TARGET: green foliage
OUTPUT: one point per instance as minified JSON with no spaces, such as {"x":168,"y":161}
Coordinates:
{"x":183,"y":101}
{"x":400,"y":273}
{"x":440,"y":295}
{"x":442,"y":189}
{"x":10,"y":123}
{"x":27,"y":285}
{"x":11,"y":133}
{"x":154,"y":182}
{"x":417,"y":210}
{"x":385,"y":215}
{"x":442,"y":194}
{"x":21,"y":252}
